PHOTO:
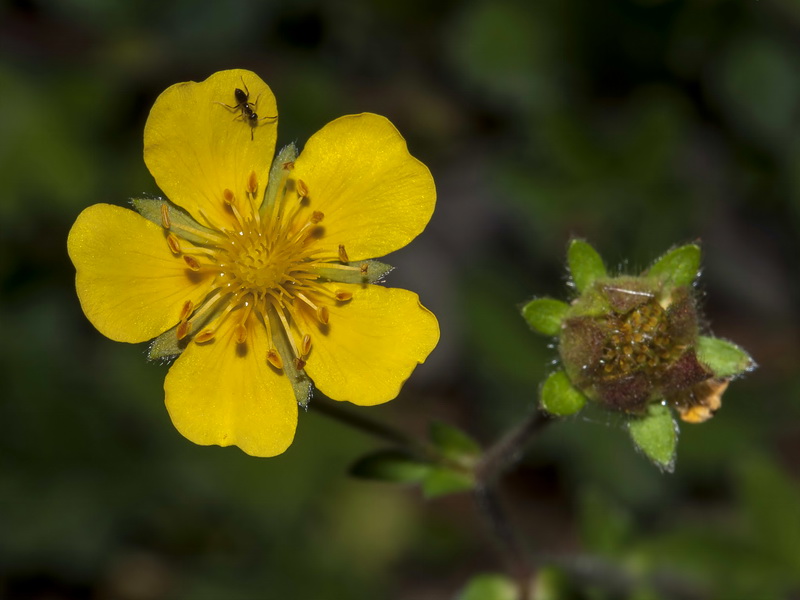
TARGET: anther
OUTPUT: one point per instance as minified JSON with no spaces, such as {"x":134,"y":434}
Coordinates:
{"x":305,"y":345}
{"x":323,"y":315}
{"x":187,"y":309}
{"x":191,"y":262}
{"x":299,"y":363}
{"x":364,"y":268}
{"x":302,"y":188}
{"x":252,"y":183}
{"x":343,"y":296}
{"x":317,"y":216}
{"x":288,"y":166}
{"x":274,"y":358}
{"x":205,"y":336}
{"x":241,"y":333}
{"x":228,"y":197}
{"x":184,"y":327}
{"x":165,"y":223}
{"x":174,"y":243}
{"x":343,"y":254}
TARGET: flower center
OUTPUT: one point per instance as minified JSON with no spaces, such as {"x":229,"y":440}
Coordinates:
{"x":256,"y":264}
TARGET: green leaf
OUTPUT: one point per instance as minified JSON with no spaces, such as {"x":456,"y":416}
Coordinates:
{"x":364,"y":271}
{"x":391,"y":465}
{"x":680,"y":265}
{"x":544,"y":315}
{"x":585,"y":264}
{"x":440,"y":481}
{"x":490,"y":586}
{"x":453,"y":443}
{"x":180,"y":221}
{"x":656,"y":434}
{"x":724,"y":358}
{"x":559,"y":397}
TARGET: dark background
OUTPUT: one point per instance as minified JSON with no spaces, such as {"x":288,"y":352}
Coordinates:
{"x":638,"y":124}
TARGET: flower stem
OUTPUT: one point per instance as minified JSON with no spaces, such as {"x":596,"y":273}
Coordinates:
{"x":508,"y":448}
{"x":374,"y":428}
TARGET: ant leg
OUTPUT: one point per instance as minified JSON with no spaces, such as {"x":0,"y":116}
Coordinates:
{"x":228,"y":106}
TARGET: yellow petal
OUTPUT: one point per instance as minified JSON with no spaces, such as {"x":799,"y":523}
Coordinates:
{"x":225,"y":393}
{"x":371,"y":344}
{"x":130,"y":285}
{"x":196,"y":147}
{"x":375,"y":196}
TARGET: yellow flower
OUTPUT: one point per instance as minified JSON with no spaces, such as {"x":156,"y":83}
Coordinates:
{"x":258,"y":273}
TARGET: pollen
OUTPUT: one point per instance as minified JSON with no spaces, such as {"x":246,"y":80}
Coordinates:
{"x":343,"y":296}
{"x":165,"y":222}
{"x":173,"y":242}
{"x":302,"y":188}
{"x":274,"y":358}
{"x":252,"y":183}
{"x":343,"y":254}
{"x":191,"y":262}
{"x":228,"y":197}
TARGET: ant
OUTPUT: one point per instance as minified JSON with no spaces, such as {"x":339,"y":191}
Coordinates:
{"x":247,"y":108}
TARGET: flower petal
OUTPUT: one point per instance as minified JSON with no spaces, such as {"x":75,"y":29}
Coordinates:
{"x":372,"y":344}
{"x":130,"y":285}
{"x":198,"y":143}
{"x":375,"y":196}
{"x":226,"y":393}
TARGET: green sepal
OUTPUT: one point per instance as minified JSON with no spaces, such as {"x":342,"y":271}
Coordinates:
{"x":453,"y":444}
{"x":395,"y":466}
{"x":301,"y":383}
{"x":724,"y":358}
{"x":166,"y":345}
{"x":585,"y":264}
{"x":490,"y":586}
{"x":441,"y":481}
{"x":374,"y":272}
{"x":278,"y":174}
{"x":544,"y":315}
{"x":559,"y":397}
{"x":181,"y":222}
{"x":656,"y":434}
{"x":679,"y":266}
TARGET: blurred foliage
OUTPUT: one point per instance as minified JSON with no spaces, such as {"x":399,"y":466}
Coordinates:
{"x":637,"y":124}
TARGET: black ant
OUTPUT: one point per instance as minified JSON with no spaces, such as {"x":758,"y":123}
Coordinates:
{"x":247,"y":108}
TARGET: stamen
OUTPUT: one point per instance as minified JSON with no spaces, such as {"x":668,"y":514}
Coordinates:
{"x":241,"y":333}
{"x":317,"y":216}
{"x":174,"y":243}
{"x":305,"y":346}
{"x":165,"y":222}
{"x":205,"y":336}
{"x":252,"y":183}
{"x":228,"y":197}
{"x":192,"y":262}
{"x":343,"y":296}
{"x":299,"y":363}
{"x":343,"y":254}
{"x":302,"y":188}
{"x":187,"y":309}
{"x":274,"y":358}
{"x":288,"y":166}
{"x":184,"y":327}
{"x":364,"y":268}
{"x":323,"y":315}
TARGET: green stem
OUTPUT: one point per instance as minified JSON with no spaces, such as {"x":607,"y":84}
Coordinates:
{"x":369,"y":426}
{"x":505,"y":451}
